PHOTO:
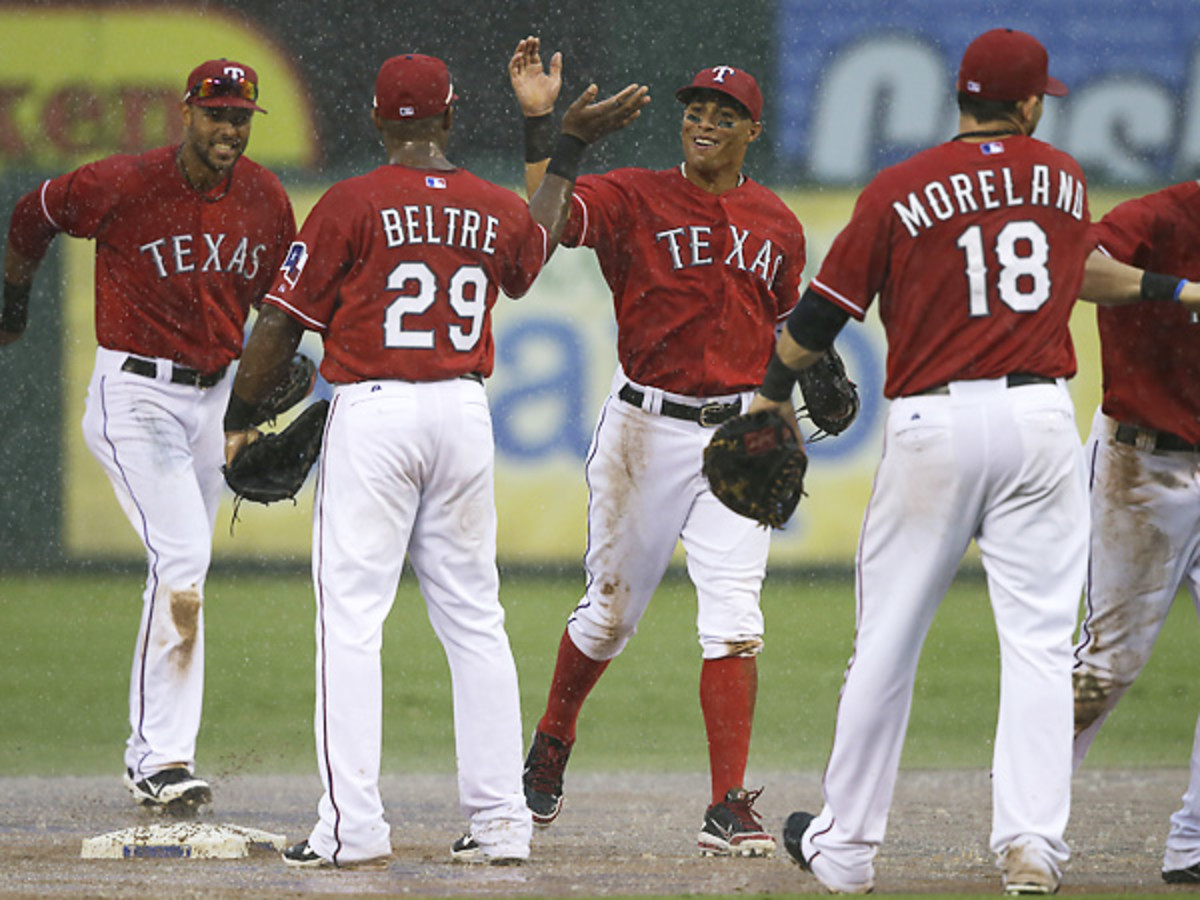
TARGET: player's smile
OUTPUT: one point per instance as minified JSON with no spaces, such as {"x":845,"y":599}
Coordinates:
{"x":715,"y":135}
{"x":214,"y":139}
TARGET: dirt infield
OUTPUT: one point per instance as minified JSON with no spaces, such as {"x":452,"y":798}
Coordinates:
{"x":633,"y":835}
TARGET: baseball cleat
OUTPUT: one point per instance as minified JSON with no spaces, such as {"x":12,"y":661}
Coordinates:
{"x":543,"y":777}
{"x":302,"y":856}
{"x":793,"y":833}
{"x":174,"y":790}
{"x":732,"y":827}
{"x":1190,"y":875}
{"x":467,"y":850}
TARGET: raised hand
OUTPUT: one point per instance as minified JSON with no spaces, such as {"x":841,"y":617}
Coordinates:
{"x":535,"y":87}
{"x":589,"y":119}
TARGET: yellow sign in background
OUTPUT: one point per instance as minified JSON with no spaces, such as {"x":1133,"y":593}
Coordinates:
{"x":81,"y":82}
{"x":555,"y":360}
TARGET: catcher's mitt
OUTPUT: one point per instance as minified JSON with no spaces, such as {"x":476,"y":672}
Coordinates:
{"x":755,"y":466}
{"x":301,"y":377}
{"x":275,"y":466}
{"x":830,"y":398}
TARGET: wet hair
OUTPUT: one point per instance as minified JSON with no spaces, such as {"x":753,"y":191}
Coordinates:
{"x":987,"y":110}
{"x":703,"y":95}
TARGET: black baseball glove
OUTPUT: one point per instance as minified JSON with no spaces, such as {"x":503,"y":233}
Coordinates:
{"x":755,"y":465}
{"x":301,"y":376}
{"x":275,"y":466}
{"x":830,"y":398}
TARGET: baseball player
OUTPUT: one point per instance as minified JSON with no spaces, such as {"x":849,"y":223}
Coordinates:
{"x":1143,"y":452}
{"x":187,"y":239}
{"x":975,"y":249}
{"x":398,"y":270}
{"x":702,"y":263}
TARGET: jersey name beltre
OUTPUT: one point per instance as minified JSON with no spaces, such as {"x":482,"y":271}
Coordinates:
{"x":691,"y":245}
{"x":449,"y":225}
{"x":181,"y":253}
{"x":962,"y":194}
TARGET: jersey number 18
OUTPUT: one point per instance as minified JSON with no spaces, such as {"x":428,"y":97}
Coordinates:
{"x":1022,"y":252}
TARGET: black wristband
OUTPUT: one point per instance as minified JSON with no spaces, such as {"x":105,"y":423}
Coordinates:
{"x":15,"y":315}
{"x":239,"y":415}
{"x":778,"y":382}
{"x":539,"y":137}
{"x":568,"y":151}
{"x":1156,"y":286}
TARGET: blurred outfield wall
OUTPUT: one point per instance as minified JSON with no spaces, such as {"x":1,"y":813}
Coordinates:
{"x":850,"y":86}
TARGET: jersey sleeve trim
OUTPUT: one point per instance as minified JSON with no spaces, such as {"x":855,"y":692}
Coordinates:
{"x":45,"y":209}
{"x":840,"y":299}
{"x":583,"y":213}
{"x":309,"y":321}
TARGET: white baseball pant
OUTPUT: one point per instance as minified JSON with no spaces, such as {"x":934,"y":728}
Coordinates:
{"x":408,"y":467}
{"x":1145,"y":545}
{"x":162,"y":446}
{"x":1001,"y":466}
{"x":646,"y":494}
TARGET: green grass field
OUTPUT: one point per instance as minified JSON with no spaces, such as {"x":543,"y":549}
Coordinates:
{"x":67,"y":647}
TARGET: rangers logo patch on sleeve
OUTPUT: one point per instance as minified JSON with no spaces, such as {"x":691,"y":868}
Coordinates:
{"x":294,"y":262}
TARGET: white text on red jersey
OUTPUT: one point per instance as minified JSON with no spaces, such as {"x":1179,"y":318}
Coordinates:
{"x":448,"y":225}
{"x":691,"y":245}
{"x":179,"y":254}
{"x":964,"y":193}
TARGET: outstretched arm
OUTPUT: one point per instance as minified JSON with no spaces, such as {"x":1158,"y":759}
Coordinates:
{"x":585,"y":122}
{"x":536,"y":89}
{"x":1107,"y":282}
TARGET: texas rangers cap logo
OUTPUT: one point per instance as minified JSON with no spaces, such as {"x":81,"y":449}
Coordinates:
{"x":294,"y":263}
{"x":720,"y":73}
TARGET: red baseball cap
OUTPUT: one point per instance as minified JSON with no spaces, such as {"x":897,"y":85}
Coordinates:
{"x":1003,"y":64}
{"x":732,"y":82}
{"x":223,"y":82}
{"x":413,"y":86}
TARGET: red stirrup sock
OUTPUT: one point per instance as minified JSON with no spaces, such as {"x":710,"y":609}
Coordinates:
{"x":574,"y":677}
{"x":728,"y":688}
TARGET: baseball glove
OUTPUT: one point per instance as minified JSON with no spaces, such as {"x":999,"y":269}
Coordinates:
{"x":275,"y":466}
{"x":830,"y":398}
{"x":301,"y":377}
{"x":755,"y":465}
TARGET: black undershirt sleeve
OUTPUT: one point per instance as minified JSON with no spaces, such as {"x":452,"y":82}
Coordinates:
{"x":815,"y":321}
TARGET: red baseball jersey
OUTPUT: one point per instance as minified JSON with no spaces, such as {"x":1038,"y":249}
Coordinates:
{"x":176,"y":271}
{"x":699,"y":281}
{"x":976,"y":253}
{"x":1151,"y":351}
{"x":399,"y":269}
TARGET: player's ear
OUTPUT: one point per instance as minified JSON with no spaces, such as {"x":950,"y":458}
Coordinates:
{"x":376,"y":121}
{"x":755,"y":130}
{"x":448,"y":118}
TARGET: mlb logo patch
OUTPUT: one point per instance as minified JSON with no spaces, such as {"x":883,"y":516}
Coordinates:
{"x":991,"y":148}
{"x":434,"y":181}
{"x":294,"y":263}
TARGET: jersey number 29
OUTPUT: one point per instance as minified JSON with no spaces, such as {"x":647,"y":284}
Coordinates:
{"x":1022,"y":252}
{"x":466,"y":291}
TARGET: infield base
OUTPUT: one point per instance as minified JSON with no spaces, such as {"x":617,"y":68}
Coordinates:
{"x":182,"y":840}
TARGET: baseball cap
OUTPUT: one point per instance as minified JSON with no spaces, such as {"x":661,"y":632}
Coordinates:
{"x":732,"y":82}
{"x":413,"y":86}
{"x":223,"y":82}
{"x":1004,"y":64}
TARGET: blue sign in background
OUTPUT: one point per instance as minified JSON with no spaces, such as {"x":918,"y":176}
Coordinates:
{"x":1130,"y":67}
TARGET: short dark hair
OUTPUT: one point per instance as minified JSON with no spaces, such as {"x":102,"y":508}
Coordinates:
{"x":412,"y":129}
{"x":703,"y":95}
{"x":986,"y":110}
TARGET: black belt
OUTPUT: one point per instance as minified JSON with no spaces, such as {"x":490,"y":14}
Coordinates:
{"x":709,"y":415}
{"x":179,"y":374}
{"x":1016,"y":379}
{"x":1159,"y":440}
{"x":472,"y":376}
